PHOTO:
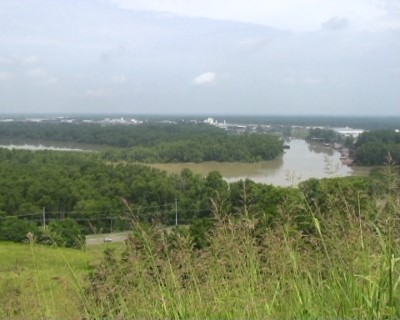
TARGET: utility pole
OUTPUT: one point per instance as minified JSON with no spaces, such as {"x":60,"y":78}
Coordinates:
{"x":176,"y":212}
{"x":44,"y":218}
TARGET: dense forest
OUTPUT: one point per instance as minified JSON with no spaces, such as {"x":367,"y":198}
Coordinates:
{"x":371,"y":148}
{"x":211,"y":147}
{"x":146,"y":135}
{"x":82,"y":187}
{"x":187,"y":142}
{"x":324,"y":135}
{"x":96,"y":194}
{"x":154,"y":142}
{"x":374,"y":147}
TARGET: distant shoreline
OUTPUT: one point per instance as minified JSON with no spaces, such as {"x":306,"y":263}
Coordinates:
{"x":359,"y":121}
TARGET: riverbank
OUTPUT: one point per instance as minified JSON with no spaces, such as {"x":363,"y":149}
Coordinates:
{"x":301,"y":162}
{"x":38,"y":145}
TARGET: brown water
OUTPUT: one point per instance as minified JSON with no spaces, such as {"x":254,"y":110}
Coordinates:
{"x":35,"y":145}
{"x":301,"y":162}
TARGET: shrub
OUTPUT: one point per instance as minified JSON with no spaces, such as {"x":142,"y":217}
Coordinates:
{"x":66,"y":233}
{"x":14,"y":229}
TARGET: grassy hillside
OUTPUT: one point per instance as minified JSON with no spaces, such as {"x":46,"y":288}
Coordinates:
{"x":329,"y":250}
{"x":346,"y":268}
{"x":346,"y":265}
{"x":42,"y":282}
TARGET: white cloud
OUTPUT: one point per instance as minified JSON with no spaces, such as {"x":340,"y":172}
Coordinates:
{"x":36,"y":73}
{"x":29,"y":60}
{"x":98,"y":92}
{"x":297,"y":15}
{"x":302,"y":81}
{"x":50,"y":80}
{"x":159,"y":51}
{"x":5,"y":75}
{"x":41,"y":76}
{"x":252,"y":43}
{"x":205,"y":78}
{"x":118,"y":78}
{"x":312,"y":81}
{"x":25,"y":60}
{"x":335,"y":23}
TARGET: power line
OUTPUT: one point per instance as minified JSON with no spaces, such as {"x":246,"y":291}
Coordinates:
{"x":21,"y":215}
{"x":137,"y":213}
{"x":49,"y":214}
{"x":105,"y":210}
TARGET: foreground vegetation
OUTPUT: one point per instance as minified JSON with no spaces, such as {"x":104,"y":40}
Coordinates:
{"x":333,"y":257}
{"x":42,"y":282}
{"x":331,"y":252}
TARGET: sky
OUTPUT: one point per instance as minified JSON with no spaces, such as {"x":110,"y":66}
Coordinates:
{"x":303,"y":57}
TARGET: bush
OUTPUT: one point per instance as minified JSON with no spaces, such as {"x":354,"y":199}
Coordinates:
{"x":14,"y":229}
{"x":200,"y":231}
{"x":66,"y":233}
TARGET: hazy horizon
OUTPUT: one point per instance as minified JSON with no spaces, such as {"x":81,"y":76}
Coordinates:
{"x":193,"y":114}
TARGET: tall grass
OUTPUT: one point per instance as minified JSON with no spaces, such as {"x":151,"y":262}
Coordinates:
{"x":340,"y":262}
{"x":347,"y":267}
{"x":42,"y":282}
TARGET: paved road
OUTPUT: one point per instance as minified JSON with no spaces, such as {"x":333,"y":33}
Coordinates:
{"x":99,"y":239}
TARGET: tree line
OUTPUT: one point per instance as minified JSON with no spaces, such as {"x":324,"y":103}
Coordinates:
{"x":371,"y":148}
{"x":374,"y":147}
{"x":154,"y":142}
{"x":224,"y":148}
{"x":101,"y":197}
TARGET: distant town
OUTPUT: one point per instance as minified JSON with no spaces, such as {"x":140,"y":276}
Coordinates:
{"x":236,"y":127}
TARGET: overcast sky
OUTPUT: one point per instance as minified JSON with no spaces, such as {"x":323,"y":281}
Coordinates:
{"x":200,"y":56}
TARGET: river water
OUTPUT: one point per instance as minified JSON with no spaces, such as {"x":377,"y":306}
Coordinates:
{"x":301,"y":162}
{"x":39,"y":147}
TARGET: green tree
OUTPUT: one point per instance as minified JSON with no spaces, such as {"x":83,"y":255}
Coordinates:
{"x":66,"y":233}
{"x":14,"y":229}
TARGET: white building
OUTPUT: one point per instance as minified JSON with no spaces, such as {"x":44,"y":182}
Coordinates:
{"x":211,"y":121}
{"x":349,"y":132}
